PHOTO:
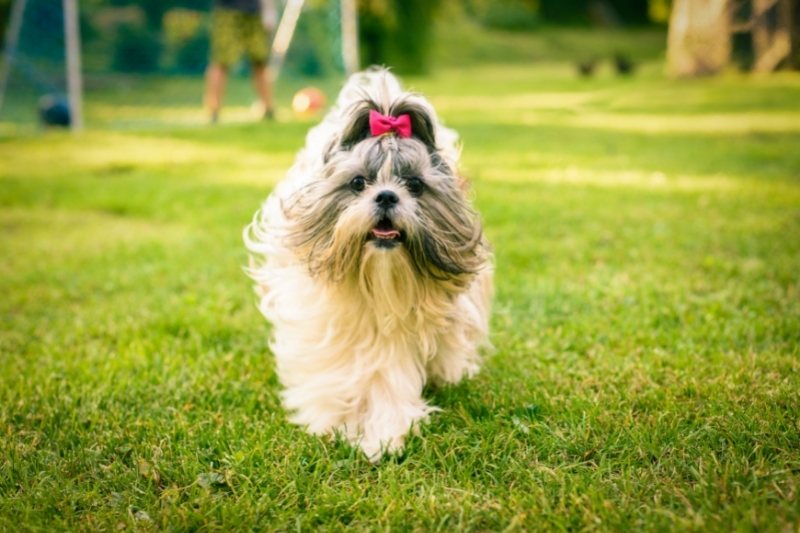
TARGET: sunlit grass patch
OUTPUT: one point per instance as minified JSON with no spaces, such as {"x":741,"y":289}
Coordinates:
{"x":56,"y":233}
{"x":646,"y":370}
{"x":729,"y":123}
{"x":105,"y":155}
{"x":585,"y":176}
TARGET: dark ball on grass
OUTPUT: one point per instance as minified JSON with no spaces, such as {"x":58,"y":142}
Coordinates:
{"x":586,"y":68}
{"x":54,"y":111}
{"x":623,"y":64}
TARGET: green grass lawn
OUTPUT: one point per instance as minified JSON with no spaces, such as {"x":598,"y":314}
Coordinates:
{"x":646,"y":324}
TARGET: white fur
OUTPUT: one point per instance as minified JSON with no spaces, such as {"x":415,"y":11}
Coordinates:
{"x":353,"y":355}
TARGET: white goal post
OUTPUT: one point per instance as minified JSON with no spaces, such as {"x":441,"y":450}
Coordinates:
{"x":72,"y":38}
{"x":350,"y":36}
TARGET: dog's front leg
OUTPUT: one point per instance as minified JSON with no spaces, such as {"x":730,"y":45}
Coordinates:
{"x":393,"y":406}
{"x":456,"y":358}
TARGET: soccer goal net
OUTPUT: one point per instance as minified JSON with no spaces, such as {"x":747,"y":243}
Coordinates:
{"x":142,"y":62}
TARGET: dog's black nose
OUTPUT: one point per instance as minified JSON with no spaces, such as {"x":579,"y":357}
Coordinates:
{"x":386,"y":199}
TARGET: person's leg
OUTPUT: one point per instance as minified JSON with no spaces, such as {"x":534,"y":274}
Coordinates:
{"x":263,"y":87}
{"x":255,"y":39}
{"x":215,"y":89}
{"x":225,"y":50}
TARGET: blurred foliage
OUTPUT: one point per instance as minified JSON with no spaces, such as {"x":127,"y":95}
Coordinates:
{"x":512,"y":15}
{"x":505,"y":14}
{"x":742,"y":53}
{"x":414,"y":34}
{"x":45,"y":44}
{"x":596,"y":12}
{"x":374,"y":20}
{"x":187,"y":40}
{"x":529,"y":14}
{"x":146,"y":35}
{"x":314,"y":51}
{"x":658,"y":11}
{"x":174,"y":36}
{"x":397,"y":33}
{"x":794,"y":59}
{"x":150,"y":35}
{"x":180,"y":25}
{"x":191,"y":55}
{"x":136,"y":49}
{"x":5,"y":14}
{"x":155,"y":10}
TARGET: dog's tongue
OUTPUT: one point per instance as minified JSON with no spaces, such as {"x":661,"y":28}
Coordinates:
{"x":382,"y":233}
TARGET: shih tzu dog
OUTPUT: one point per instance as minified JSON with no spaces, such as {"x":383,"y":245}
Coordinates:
{"x":371,"y":265}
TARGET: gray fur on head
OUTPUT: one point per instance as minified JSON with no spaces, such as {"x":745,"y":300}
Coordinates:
{"x":442,"y":233}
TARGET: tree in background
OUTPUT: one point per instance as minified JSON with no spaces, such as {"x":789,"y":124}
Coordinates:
{"x":795,"y":55}
{"x":530,"y":14}
{"x":701,"y":33}
{"x":397,"y":33}
{"x":699,"y":40}
{"x":5,"y":11}
{"x":771,"y":30}
{"x":155,"y":10}
{"x":413,"y":36}
{"x":373,"y":31}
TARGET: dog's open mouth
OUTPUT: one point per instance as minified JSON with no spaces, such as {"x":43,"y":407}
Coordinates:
{"x":385,"y":234}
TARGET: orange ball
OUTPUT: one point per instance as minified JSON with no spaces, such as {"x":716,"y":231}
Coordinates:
{"x":308,"y":101}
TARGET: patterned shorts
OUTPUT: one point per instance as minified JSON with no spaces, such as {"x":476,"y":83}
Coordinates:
{"x":234,"y":33}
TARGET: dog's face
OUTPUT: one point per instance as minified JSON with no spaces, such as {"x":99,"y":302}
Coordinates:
{"x":386,"y":195}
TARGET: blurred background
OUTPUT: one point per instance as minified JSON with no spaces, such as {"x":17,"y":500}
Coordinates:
{"x":636,"y":166}
{"x":142,"y":62}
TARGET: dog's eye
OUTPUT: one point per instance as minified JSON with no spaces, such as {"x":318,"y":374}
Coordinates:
{"x":358,"y":184}
{"x":415,"y":186}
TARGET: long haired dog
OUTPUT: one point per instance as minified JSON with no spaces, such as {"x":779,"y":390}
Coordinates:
{"x":372,"y":267}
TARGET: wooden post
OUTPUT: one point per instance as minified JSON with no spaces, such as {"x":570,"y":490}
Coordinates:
{"x":72,"y":39}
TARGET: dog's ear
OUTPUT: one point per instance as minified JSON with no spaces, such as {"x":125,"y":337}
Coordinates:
{"x":438,"y":162}
{"x":423,"y":123}
{"x":423,"y":127}
{"x":356,"y":129}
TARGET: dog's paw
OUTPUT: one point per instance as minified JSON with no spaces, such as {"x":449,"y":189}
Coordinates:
{"x":377,"y":447}
{"x":376,"y":450}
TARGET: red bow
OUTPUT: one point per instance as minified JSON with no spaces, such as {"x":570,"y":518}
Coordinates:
{"x":380,"y":124}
